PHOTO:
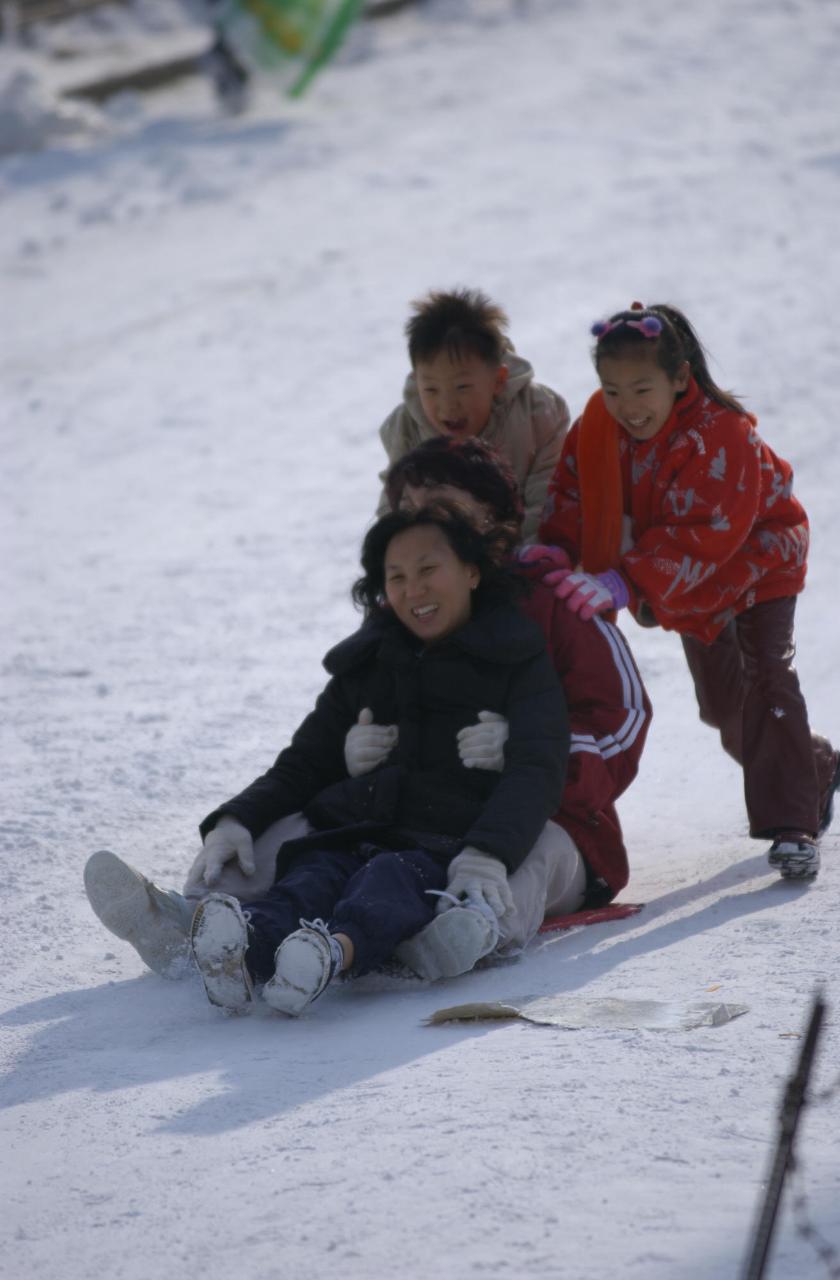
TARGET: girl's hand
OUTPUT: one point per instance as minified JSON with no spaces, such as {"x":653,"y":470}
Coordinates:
{"x":368,"y":745}
{"x":588,"y":594}
{"x":482,"y":745}
{"x":538,"y":554}
{"x":228,"y":839}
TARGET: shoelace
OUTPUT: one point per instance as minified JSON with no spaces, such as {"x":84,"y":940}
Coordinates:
{"x":483,"y":908}
{"x":444,"y":893}
{"x":336,"y":949}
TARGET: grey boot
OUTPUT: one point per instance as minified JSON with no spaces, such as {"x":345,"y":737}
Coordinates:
{"x":155,"y":921}
{"x":452,"y":944}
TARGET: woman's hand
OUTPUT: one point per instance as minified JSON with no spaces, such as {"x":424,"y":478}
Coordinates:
{"x":228,"y":839}
{"x":368,"y":745}
{"x":481,"y":881}
{"x":482,"y":745}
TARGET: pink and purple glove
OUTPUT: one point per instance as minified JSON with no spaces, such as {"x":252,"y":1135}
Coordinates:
{"x":553,"y":557}
{"x":589,"y":593}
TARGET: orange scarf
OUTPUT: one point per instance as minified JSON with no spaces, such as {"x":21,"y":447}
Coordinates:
{"x":601,"y":497}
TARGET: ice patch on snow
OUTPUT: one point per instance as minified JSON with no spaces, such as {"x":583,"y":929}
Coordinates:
{"x":574,"y":1013}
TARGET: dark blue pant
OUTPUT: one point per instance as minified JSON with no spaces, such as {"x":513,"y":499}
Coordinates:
{"x":375,"y":896}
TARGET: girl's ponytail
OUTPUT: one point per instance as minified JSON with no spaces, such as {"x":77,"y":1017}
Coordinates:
{"x":693,"y":352}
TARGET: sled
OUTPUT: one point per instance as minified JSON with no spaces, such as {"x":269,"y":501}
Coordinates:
{"x":594,"y":915}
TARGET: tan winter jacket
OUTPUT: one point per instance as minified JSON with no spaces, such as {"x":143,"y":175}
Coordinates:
{"x":527,"y":426}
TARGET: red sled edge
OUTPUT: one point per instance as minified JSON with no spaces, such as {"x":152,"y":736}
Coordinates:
{"x":613,"y":911}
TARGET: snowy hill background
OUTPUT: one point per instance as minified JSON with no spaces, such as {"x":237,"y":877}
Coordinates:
{"x":202,"y":329}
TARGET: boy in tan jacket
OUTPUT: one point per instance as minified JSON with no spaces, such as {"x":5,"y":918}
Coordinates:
{"x":466,"y":380}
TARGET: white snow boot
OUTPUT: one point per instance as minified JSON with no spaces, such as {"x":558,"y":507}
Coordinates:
{"x":305,"y":964}
{"x":451,"y":944}
{"x":219,"y":940}
{"x":155,"y":921}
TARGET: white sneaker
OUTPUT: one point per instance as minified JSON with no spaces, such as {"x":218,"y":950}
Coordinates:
{"x":219,"y":939}
{"x":797,"y":858}
{"x":304,"y":965}
{"x":451,"y":944}
{"x":155,"y":921}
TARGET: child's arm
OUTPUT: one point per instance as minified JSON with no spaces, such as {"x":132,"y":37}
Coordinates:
{"x":550,"y":422}
{"x":609,"y":711}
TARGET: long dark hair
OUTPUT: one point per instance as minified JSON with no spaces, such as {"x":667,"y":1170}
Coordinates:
{"x":469,"y":544}
{"x":674,"y":344}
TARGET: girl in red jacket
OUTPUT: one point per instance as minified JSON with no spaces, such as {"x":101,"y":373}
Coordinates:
{"x":667,"y":501}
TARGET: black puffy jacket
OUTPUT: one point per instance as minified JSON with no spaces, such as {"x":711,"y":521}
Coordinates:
{"x":496,"y":662}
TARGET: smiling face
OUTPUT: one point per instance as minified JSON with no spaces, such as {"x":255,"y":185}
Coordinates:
{"x":426,"y":585}
{"x":638,"y":393}
{"x":456,"y":393}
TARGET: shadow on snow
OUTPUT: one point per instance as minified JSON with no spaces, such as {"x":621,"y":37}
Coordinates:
{"x":143,"y":1031}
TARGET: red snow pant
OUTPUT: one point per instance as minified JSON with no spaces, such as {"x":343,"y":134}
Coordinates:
{"x":747,"y":689}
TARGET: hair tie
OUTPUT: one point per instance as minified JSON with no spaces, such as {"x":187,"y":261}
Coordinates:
{"x":649,"y":327}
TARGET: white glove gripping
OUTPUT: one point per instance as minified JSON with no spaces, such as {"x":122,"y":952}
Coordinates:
{"x":367,"y":744}
{"x":480,"y":881}
{"x":228,"y":839}
{"x":481,"y":746}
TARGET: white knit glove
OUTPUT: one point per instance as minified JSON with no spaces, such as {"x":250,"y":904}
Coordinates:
{"x":367,"y":744}
{"x":480,"y":881}
{"x":481,"y":746}
{"x":228,"y":839}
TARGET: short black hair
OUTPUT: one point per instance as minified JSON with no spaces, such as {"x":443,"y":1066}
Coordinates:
{"x":461,"y":322}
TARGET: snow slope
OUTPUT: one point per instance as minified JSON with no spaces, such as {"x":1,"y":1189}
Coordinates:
{"x":201,"y":325}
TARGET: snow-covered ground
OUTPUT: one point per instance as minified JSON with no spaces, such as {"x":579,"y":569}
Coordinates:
{"x":201,"y":331}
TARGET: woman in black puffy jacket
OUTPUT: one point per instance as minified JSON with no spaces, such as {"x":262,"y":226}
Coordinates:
{"x":443,"y":640}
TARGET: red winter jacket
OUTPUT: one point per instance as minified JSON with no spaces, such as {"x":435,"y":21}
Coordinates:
{"x":609,"y":716}
{"x":715,"y":526}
